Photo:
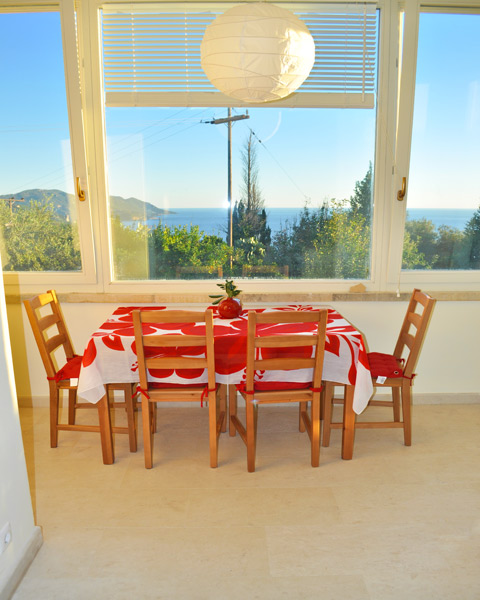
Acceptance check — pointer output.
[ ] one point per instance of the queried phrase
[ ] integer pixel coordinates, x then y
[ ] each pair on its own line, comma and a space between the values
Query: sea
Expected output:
213, 221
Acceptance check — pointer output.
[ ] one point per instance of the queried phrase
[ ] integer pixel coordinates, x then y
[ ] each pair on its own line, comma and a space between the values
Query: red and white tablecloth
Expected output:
110, 355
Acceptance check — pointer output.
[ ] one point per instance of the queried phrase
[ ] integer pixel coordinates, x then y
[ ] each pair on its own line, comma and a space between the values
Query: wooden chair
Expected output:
396, 371
159, 392
260, 340
51, 334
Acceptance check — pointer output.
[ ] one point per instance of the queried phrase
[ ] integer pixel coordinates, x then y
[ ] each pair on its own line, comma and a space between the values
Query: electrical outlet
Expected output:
5, 537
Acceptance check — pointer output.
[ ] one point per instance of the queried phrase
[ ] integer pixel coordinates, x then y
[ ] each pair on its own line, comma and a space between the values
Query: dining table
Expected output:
110, 357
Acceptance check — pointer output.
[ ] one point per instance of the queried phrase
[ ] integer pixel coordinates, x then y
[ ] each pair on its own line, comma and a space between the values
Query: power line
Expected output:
155, 124
159, 140
57, 174
307, 198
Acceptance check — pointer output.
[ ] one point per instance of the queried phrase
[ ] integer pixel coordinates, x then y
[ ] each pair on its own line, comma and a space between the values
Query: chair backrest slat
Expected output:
51, 344
176, 362
264, 337
408, 340
172, 316
280, 364
418, 321
415, 318
182, 318
48, 321
294, 316
168, 341
49, 330
286, 341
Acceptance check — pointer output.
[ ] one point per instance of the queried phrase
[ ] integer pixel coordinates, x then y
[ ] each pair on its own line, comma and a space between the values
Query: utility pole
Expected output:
229, 120
11, 201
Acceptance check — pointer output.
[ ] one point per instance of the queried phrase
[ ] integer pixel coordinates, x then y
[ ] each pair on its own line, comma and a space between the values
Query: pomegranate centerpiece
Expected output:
229, 306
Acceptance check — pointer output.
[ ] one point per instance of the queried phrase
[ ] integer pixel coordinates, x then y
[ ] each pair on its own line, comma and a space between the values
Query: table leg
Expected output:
348, 433
105, 431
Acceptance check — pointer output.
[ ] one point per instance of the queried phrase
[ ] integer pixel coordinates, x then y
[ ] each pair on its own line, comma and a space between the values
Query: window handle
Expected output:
401, 193
80, 192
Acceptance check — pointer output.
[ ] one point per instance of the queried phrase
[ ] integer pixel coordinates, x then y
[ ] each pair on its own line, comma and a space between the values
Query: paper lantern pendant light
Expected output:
257, 52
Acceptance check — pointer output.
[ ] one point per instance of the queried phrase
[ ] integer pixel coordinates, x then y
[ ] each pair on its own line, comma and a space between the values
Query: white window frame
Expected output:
468, 280
394, 113
87, 275
172, 286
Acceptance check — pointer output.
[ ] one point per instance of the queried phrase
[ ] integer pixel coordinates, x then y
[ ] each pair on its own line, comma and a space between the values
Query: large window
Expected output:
301, 187
38, 213
442, 230
204, 192
112, 97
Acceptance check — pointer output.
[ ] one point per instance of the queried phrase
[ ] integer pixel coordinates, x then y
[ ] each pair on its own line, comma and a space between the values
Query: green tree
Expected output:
35, 238
412, 258
451, 248
362, 199
295, 242
342, 251
331, 241
249, 252
249, 215
423, 233
472, 240
176, 247
130, 251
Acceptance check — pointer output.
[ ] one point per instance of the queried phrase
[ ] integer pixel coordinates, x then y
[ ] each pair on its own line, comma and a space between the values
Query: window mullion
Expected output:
407, 71
77, 135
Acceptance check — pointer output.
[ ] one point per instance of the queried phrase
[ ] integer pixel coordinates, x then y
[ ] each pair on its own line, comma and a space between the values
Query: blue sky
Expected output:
170, 158
445, 159
295, 156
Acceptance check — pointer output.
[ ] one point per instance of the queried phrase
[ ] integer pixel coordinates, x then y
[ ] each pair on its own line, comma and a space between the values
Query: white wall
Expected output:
450, 359
449, 363
15, 502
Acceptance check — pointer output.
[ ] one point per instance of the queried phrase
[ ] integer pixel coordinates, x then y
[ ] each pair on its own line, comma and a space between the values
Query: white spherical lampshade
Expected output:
257, 52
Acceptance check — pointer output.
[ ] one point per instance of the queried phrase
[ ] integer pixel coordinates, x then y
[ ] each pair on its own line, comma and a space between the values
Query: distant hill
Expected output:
126, 209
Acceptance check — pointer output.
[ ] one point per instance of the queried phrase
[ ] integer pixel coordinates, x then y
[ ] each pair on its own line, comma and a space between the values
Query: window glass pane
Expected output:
301, 188
443, 214
38, 221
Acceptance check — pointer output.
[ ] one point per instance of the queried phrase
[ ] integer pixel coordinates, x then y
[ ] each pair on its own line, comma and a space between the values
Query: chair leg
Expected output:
212, 428
72, 398
147, 433
302, 407
407, 414
396, 404
54, 402
153, 416
232, 409
251, 428
315, 424
327, 412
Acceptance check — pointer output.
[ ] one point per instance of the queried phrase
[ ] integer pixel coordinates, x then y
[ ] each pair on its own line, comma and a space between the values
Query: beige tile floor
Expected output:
393, 523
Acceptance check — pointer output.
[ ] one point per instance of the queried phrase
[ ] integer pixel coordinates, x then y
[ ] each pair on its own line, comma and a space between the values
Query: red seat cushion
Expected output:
384, 365
71, 370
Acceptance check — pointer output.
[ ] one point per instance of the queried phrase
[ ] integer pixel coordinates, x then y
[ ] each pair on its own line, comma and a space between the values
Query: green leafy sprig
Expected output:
230, 291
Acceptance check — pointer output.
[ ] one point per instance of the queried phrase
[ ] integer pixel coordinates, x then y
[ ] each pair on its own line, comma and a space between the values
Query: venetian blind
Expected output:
152, 57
